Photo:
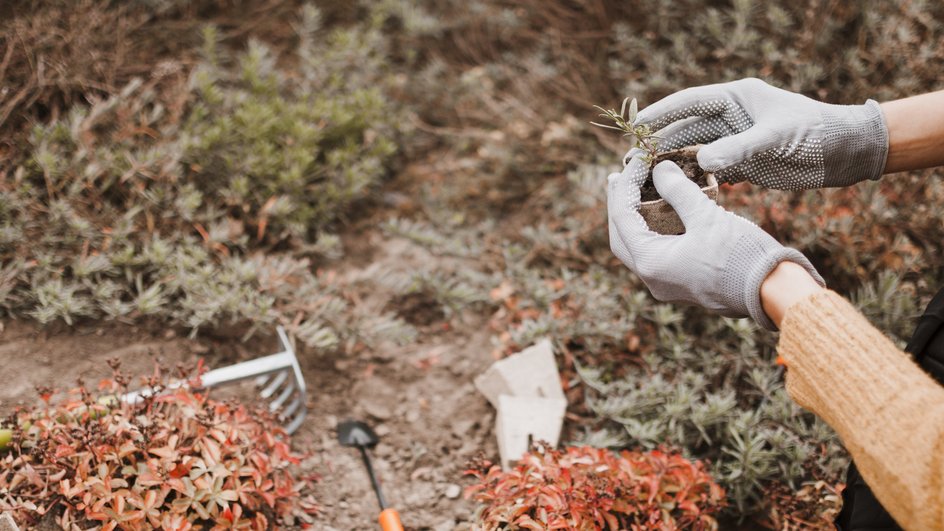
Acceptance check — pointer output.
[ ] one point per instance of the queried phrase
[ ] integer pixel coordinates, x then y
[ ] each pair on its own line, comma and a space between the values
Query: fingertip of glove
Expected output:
710, 159
666, 170
666, 164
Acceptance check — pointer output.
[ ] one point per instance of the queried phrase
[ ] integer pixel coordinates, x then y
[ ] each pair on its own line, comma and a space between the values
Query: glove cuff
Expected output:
856, 143
759, 273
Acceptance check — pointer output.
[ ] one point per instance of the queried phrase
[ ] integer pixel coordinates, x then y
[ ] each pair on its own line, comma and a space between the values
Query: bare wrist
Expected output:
915, 132
786, 285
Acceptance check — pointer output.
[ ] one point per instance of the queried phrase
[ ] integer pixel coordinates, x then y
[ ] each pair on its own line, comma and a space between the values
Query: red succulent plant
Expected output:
584, 489
180, 461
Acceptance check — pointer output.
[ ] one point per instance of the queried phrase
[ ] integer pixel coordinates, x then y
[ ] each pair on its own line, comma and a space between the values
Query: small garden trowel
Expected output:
354, 433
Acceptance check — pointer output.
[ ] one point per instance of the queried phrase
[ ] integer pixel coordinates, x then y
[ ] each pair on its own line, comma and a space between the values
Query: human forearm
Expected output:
915, 132
887, 411
889, 414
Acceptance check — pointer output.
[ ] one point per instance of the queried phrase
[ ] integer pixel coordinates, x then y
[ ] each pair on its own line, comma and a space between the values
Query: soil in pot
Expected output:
687, 161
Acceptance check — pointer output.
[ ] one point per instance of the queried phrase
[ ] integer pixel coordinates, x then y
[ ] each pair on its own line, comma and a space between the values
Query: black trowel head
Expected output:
356, 433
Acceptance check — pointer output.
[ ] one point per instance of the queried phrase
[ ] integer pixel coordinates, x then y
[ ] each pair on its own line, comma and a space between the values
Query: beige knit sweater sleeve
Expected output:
888, 412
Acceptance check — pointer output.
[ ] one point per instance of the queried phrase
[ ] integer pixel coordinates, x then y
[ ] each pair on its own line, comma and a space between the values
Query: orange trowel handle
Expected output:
390, 520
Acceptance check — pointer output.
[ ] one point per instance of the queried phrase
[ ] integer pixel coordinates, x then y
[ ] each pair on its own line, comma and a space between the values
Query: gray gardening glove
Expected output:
771, 137
720, 261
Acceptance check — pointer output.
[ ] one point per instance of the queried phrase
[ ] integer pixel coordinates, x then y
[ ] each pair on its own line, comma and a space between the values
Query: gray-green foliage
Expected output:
155, 204
719, 397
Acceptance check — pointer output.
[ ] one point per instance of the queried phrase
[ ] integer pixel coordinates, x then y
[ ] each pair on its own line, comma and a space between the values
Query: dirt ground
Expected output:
420, 399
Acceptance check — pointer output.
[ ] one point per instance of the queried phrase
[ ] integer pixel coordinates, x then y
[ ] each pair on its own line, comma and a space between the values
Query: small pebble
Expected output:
453, 491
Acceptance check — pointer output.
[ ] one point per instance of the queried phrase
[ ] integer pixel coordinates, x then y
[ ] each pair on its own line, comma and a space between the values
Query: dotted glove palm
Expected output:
772, 137
718, 263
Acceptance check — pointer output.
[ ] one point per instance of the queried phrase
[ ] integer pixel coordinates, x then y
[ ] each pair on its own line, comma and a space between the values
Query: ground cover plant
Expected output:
161, 199
641, 136
179, 201
585, 488
178, 460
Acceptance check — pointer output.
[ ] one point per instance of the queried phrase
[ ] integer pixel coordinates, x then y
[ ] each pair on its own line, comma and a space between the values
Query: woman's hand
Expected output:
719, 263
772, 137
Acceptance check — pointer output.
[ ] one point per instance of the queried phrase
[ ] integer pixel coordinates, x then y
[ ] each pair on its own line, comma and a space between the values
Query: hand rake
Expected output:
277, 376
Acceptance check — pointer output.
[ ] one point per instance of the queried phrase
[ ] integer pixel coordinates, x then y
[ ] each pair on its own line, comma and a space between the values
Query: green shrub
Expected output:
290, 153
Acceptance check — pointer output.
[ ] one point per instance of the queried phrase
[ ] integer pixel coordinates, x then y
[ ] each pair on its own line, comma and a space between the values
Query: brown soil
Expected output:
418, 309
689, 165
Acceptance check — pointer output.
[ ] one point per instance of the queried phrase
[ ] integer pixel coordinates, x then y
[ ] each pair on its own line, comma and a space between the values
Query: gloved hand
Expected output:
772, 137
720, 261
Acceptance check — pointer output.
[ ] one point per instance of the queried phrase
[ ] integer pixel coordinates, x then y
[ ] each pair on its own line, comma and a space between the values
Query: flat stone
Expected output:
522, 420
531, 372
378, 410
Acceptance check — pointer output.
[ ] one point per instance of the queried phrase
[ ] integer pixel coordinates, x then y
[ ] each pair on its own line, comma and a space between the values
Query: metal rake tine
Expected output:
290, 409
274, 385
296, 422
295, 411
287, 392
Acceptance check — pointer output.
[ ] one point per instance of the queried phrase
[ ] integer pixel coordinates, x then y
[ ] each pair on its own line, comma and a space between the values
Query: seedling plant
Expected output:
624, 122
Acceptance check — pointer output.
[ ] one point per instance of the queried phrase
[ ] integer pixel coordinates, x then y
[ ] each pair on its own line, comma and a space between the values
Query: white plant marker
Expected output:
525, 388
522, 420
531, 372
